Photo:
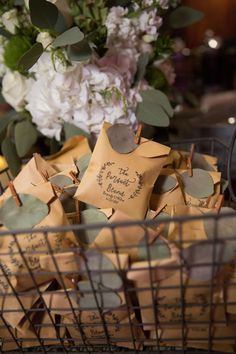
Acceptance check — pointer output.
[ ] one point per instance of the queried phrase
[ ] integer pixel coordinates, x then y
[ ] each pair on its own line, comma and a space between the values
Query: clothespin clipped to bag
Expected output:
219, 203
138, 134
74, 177
189, 160
14, 194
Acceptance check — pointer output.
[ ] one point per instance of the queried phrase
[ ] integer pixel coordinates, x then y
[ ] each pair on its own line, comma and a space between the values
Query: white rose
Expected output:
10, 20
45, 39
14, 89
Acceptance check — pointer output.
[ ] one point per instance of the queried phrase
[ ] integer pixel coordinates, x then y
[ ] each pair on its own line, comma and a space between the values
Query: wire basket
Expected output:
79, 300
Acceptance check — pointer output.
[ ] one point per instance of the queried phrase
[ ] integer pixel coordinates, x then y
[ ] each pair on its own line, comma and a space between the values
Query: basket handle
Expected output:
229, 164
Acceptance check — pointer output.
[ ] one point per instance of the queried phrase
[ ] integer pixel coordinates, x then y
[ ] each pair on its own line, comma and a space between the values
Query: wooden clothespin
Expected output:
57, 189
219, 203
74, 177
189, 160
77, 210
138, 134
14, 194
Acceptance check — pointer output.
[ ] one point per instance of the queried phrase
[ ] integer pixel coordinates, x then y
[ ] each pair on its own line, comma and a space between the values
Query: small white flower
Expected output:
15, 88
10, 20
45, 39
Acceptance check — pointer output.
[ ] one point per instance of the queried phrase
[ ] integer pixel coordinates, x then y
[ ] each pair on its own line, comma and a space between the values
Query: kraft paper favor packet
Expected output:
169, 293
91, 319
36, 241
123, 239
122, 181
73, 149
167, 190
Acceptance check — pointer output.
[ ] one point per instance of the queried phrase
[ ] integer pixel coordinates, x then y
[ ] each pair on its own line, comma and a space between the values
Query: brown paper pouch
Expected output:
172, 195
37, 241
122, 181
123, 239
179, 160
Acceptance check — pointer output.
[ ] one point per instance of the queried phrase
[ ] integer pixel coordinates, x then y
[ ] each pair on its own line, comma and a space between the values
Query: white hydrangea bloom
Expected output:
10, 20
85, 95
15, 88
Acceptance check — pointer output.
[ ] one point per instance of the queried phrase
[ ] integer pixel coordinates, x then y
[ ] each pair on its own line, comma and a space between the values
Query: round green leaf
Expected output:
43, 14
61, 181
157, 250
184, 16
82, 164
101, 270
10, 154
155, 108
29, 58
71, 130
121, 138
199, 161
31, 213
223, 227
105, 298
199, 259
88, 217
200, 185
81, 51
164, 184
71, 36
25, 137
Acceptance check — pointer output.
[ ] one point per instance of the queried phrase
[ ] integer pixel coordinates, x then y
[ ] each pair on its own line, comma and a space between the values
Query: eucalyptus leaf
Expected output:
184, 16
224, 185
222, 227
43, 14
61, 181
199, 161
200, 185
154, 109
121, 138
157, 250
105, 298
29, 58
164, 184
29, 214
26, 136
10, 154
141, 69
101, 270
81, 51
89, 217
71, 36
82, 164
6, 119
71, 130
61, 25
68, 203
199, 259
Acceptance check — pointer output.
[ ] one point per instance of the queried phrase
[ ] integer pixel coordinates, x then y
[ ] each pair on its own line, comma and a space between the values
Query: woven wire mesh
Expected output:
45, 312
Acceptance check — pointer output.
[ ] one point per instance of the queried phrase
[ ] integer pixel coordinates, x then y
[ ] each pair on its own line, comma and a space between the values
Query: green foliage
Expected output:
10, 154
25, 137
29, 58
15, 48
156, 78
71, 130
184, 16
43, 14
69, 37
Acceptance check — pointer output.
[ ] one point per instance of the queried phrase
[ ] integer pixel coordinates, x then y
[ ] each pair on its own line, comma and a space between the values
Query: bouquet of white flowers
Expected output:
69, 65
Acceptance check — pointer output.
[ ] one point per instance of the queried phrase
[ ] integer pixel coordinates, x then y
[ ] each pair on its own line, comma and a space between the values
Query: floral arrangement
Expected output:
69, 65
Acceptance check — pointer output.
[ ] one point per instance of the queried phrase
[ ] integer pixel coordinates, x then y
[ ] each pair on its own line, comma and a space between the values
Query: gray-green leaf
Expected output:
157, 250
142, 64
184, 16
43, 14
61, 181
26, 136
80, 51
155, 108
101, 270
121, 138
105, 298
6, 119
9, 152
82, 164
31, 213
199, 161
89, 217
29, 58
71, 130
200, 185
199, 259
164, 184
71, 36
